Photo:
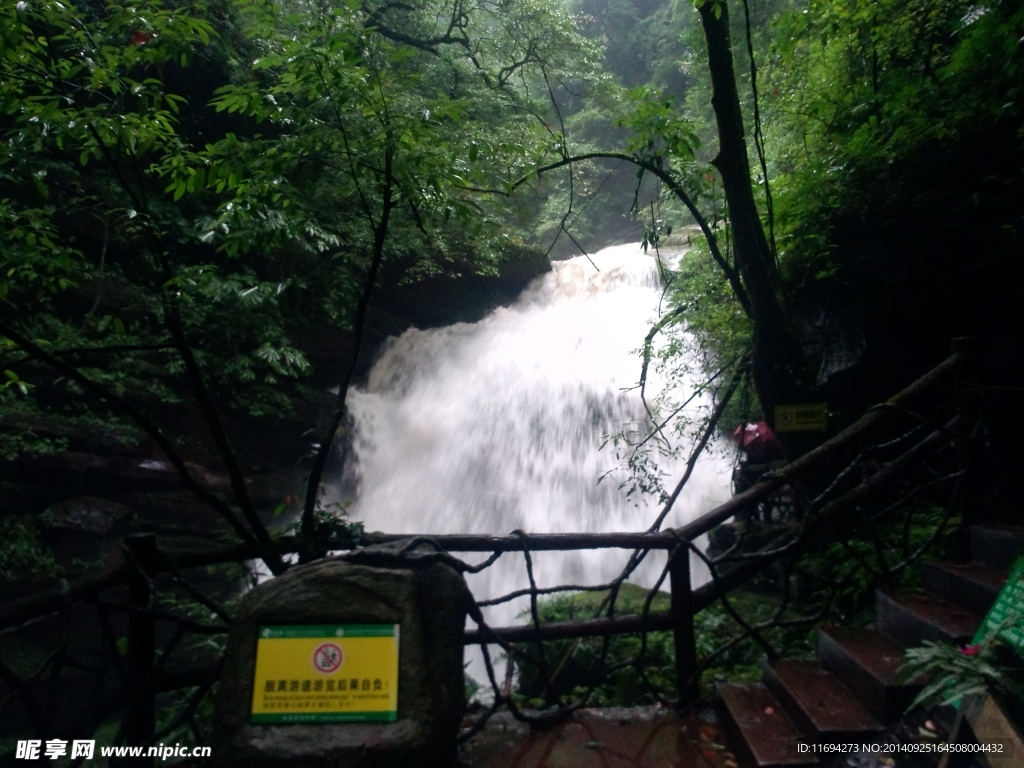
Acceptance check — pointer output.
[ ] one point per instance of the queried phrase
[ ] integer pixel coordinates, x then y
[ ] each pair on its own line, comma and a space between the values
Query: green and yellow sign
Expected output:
810, 417
326, 673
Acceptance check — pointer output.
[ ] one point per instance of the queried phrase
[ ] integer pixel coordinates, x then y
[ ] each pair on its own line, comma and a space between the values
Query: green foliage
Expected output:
883, 107
181, 181
87, 118
365, 124
471, 686
642, 41
572, 663
659, 134
14, 445
715, 626
838, 582
332, 528
708, 310
990, 666
74, 88
198, 648
23, 556
695, 348
877, 554
25, 432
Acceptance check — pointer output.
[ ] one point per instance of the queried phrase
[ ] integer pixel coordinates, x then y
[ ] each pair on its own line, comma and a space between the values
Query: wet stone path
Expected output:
638, 737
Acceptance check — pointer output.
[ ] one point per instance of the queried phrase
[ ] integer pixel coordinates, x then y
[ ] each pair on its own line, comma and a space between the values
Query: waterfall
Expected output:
497, 425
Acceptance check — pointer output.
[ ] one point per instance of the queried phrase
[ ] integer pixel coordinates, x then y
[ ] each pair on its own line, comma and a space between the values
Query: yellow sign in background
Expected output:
811, 417
326, 673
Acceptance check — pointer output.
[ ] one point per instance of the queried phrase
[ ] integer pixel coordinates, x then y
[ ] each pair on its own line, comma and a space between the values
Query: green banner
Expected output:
326, 717
1010, 602
328, 630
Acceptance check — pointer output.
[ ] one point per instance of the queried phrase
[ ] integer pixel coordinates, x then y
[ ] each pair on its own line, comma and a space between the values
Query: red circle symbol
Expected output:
327, 658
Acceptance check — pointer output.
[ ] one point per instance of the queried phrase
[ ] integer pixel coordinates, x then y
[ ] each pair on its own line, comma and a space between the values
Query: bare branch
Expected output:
150, 429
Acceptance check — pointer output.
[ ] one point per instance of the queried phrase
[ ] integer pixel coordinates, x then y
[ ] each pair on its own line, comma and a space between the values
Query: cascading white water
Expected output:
497, 426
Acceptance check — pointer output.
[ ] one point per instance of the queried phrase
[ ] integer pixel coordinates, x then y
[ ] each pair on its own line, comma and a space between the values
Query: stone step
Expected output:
972, 586
820, 706
997, 545
757, 723
912, 617
866, 661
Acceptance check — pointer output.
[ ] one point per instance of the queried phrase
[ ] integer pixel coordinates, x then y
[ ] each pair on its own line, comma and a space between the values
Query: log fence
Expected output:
870, 462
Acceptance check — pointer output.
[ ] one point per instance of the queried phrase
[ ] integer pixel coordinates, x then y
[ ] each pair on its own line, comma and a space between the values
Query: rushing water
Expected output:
498, 425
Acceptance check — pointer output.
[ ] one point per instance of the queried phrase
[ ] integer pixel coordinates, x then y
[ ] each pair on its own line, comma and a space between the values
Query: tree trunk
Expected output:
779, 369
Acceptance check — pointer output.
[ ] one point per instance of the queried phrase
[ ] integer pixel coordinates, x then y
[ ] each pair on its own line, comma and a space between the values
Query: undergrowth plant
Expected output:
990, 666
573, 665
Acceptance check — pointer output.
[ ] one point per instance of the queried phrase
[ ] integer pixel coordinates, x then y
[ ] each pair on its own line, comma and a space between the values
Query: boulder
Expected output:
418, 591
87, 514
82, 531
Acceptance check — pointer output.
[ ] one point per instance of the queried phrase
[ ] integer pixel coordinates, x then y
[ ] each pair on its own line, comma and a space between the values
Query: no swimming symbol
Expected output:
327, 658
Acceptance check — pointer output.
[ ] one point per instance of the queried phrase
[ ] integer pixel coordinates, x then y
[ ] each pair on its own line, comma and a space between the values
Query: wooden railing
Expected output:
144, 560
686, 602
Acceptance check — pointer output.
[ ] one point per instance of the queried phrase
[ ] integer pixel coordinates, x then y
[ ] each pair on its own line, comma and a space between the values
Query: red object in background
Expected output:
140, 38
757, 441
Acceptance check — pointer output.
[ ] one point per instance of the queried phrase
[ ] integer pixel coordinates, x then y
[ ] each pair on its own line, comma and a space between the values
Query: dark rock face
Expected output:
87, 514
426, 597
459, 295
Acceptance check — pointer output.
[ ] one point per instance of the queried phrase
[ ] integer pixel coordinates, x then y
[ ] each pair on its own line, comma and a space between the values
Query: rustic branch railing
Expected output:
826, 516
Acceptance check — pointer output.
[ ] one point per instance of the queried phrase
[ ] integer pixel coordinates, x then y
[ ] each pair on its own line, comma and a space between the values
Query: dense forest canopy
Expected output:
191, 192
213, 214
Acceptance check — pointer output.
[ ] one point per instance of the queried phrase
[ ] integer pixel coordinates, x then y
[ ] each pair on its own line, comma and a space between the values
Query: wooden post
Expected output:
981, 720
687, 682
140, 720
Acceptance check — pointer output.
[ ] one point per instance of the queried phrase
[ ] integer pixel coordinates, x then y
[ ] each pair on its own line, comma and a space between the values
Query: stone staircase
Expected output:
850, 692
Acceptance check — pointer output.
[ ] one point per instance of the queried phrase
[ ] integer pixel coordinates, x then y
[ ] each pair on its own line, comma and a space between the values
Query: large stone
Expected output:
87, 514
83, 531
418, 591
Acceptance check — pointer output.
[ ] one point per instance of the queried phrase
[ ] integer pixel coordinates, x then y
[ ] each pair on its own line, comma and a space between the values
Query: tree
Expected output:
779, 368
78, 90
664, 145
345, 146
395, 122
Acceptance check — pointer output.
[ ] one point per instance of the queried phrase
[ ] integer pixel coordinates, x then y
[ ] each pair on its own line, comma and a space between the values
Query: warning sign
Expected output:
327, 658
801, 418
326, 674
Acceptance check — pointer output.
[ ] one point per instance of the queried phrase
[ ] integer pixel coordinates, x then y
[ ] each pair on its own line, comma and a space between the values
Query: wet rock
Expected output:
84, 531
159, 468
77, 473
426, 597
87, 514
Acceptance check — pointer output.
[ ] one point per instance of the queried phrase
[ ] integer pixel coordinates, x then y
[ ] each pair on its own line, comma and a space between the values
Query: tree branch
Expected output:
709, 430
37, 352
380, 233
172, 319
731, 274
